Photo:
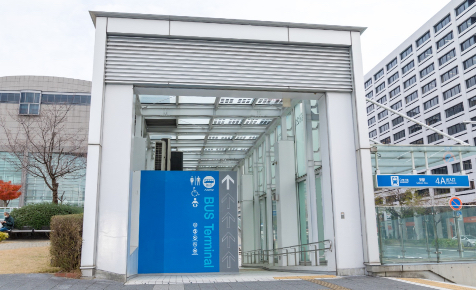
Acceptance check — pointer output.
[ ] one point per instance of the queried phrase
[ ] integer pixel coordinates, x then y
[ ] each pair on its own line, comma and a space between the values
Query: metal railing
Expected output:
309, 254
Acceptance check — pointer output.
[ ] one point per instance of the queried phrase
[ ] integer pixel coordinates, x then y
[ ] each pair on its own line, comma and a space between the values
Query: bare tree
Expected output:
44, 146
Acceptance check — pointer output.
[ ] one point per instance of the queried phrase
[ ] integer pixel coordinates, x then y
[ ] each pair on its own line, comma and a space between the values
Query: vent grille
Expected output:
180, 62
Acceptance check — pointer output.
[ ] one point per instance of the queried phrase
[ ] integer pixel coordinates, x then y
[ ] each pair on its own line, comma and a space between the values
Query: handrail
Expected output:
258, 256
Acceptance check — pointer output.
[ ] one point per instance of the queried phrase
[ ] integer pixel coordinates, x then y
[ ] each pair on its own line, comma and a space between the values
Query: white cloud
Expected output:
56, 37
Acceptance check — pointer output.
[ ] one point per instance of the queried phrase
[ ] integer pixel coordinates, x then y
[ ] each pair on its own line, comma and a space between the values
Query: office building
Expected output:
430, 77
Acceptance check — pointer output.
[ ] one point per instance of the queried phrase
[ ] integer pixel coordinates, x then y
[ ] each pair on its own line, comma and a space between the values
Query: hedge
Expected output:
39, 215
65, 241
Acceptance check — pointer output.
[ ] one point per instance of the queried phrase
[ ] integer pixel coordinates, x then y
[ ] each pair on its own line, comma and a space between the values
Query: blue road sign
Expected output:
422, 181
456, 203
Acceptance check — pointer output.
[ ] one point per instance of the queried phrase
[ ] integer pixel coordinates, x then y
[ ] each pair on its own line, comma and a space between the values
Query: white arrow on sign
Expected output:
227, 238
228, 257
228, 179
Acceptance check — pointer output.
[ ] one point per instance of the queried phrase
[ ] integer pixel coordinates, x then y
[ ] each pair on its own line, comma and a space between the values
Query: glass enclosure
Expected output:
426, 234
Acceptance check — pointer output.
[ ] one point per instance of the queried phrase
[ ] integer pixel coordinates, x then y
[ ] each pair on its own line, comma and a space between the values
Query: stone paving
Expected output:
48, 281
14, 244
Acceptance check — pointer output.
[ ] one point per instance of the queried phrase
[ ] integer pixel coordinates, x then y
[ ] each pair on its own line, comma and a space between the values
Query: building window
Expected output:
386, 140
417, 142
384, 128
425, 54
392, 64
393, 78
372, 133
29, 104
413, 112
369, 95
411, 97
447, 57
433, 119
439, 191
472, 102
424, 72
431, 103
371, 121
394, 92
469, 62
414, 128
463, 26
378, 75
473, 125
423, 39
451, 92
13, 98
454, 110
382, 114
370, 108
466, 166
399, 135
428, 87
442, 42
406, 52
382, 100
460, 9
442, 23
397, 105
408, 67
409, 82
468, 43
380, 88
440, 170
455, 129
434, 137
368, 83
397, 121
66, 99
449, 74
470, 82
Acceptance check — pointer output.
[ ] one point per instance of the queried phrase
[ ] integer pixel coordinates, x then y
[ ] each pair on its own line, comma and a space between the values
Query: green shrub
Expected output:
66, 240
446, 243
3, 236
38, 215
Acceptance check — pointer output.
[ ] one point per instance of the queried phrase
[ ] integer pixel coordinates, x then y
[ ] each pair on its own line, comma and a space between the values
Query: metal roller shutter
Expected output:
185, 62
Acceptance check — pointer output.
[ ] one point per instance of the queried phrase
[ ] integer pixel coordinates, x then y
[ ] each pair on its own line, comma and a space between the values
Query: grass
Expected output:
26, 260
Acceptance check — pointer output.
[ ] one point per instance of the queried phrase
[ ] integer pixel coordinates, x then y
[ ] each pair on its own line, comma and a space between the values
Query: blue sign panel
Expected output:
187, 222
422, 181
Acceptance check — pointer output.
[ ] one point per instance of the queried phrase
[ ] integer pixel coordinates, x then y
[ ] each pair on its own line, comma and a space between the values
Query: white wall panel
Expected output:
325, 37
138, 26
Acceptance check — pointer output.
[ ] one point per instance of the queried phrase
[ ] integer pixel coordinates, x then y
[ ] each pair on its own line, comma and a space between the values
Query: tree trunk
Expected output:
55, 191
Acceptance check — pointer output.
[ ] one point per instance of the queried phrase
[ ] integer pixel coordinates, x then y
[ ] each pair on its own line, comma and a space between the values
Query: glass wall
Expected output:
303, 218
8, 172
426, 234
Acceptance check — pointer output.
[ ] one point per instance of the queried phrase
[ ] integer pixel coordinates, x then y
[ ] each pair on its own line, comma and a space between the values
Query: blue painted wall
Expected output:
168, 219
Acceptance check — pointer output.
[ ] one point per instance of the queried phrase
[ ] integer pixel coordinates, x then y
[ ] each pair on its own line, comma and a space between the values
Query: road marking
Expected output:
326, 284
434, 284
305, 277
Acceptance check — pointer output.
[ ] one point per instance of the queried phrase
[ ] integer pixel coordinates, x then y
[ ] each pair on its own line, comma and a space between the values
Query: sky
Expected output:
56, 37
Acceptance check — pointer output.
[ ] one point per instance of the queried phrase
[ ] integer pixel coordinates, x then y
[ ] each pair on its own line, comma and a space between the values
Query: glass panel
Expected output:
8, 172
23, 109
34, 109
300, 140
303, 222
275, 230
320, 215
263, 231
30, 97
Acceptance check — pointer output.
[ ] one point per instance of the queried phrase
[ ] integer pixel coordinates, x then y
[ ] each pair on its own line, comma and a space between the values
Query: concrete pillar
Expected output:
363, 160
269, 198
286, 206
93, 169
341, 182
115, 182
247, 214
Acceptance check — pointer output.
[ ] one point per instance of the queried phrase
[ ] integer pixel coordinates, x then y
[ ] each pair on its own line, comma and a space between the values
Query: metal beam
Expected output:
212, 143
217, 130
220, 112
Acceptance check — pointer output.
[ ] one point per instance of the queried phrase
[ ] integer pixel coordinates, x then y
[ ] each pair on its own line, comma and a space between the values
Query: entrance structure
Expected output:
280, 103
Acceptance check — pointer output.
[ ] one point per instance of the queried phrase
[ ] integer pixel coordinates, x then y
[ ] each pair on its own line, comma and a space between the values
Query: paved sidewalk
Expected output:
47, 282
8, 245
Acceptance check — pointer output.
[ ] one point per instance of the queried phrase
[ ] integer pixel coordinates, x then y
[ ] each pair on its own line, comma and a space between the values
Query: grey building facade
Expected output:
28, 95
